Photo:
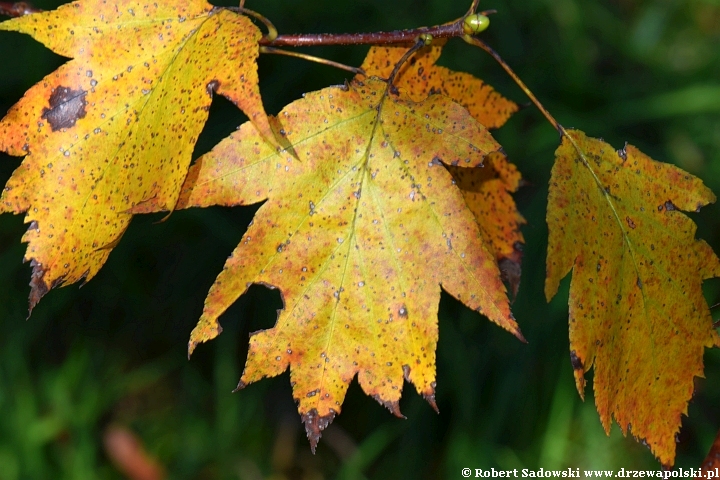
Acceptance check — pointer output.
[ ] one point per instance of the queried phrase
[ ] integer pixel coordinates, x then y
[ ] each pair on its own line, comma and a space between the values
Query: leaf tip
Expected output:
204, 330
38, 287
515, 329
241, 385
551, 282
315, 424
392, 405
518, 334
578, 373
429, 397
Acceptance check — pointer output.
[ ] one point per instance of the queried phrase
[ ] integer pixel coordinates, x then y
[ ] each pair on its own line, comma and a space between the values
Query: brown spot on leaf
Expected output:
622, 153
575, 361
66, 107
38, 287
212, 86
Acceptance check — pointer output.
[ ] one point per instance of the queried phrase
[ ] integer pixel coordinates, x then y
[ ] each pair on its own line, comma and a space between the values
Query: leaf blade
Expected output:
487, 191
116, 125
614, 221
359, 235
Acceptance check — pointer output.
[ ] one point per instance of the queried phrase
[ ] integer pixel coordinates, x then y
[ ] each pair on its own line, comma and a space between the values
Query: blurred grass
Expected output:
646, 72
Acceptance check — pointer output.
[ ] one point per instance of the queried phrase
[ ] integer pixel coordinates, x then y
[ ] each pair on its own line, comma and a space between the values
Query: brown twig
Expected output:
17, 9
453, 29
448, 30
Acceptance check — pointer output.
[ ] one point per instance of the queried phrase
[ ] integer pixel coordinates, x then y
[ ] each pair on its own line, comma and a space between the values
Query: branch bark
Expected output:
17, 9
454, 29
448, 30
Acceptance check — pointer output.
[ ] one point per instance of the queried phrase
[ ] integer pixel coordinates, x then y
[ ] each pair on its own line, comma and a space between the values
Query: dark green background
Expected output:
114, 352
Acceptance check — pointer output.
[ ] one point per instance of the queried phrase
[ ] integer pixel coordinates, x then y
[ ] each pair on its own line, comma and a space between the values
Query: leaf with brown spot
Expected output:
637, 311
361, 228
117, 124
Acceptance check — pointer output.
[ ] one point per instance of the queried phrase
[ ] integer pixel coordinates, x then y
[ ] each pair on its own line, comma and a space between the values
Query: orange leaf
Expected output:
117, 124
487, 192
420, 77
361, 228
637, 311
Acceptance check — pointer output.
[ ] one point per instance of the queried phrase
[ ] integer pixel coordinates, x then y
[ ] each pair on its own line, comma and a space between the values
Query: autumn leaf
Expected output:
487, 190
361, 228
637, 311
420, 77
116, 125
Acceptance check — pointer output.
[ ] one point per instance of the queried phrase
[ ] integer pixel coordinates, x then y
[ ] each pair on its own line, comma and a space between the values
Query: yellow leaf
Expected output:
116, 125
637, 311
487, 191
361, 228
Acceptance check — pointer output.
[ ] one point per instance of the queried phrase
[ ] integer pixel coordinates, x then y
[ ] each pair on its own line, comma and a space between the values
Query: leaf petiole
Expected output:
272, 31
421, 42
312, 58
479, 43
